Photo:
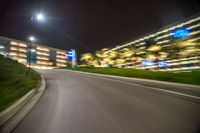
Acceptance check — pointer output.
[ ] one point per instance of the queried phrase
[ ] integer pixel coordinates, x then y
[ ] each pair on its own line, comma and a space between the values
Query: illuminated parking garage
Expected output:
173, 48
39, 56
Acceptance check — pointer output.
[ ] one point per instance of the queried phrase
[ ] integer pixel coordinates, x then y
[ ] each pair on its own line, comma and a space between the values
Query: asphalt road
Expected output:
81, 103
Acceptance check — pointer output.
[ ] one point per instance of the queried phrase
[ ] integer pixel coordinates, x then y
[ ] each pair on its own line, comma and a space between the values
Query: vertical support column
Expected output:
73, 58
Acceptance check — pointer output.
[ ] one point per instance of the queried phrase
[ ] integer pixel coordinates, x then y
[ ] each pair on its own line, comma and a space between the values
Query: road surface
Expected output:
81, 103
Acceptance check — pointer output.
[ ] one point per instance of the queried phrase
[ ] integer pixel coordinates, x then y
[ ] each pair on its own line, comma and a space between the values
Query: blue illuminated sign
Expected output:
151, 63
180, 33
70, 54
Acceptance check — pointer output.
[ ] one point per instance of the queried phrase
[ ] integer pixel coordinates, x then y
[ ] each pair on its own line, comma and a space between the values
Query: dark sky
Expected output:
90, 25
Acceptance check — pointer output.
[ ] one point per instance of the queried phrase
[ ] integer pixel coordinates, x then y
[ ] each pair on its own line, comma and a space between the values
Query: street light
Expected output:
40, 17
31, 39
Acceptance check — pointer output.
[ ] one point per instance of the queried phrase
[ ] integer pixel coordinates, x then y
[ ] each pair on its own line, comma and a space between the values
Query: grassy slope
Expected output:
182, 77
15, 81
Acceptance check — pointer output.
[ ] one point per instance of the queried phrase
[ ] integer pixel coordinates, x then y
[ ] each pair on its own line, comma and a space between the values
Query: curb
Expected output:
132, 78
13, 115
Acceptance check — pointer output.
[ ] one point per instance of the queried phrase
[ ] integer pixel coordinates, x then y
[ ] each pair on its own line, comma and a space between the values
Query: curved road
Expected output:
82, 103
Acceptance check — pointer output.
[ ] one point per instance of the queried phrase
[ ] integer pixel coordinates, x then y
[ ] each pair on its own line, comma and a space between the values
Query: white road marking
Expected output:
153, 88
124, 82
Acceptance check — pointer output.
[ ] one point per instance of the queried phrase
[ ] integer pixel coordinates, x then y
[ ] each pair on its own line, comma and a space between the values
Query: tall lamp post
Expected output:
37, 18
31, 39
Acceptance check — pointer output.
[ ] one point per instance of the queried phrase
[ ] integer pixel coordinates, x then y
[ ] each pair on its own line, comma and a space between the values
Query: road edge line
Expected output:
132, 78
152, 88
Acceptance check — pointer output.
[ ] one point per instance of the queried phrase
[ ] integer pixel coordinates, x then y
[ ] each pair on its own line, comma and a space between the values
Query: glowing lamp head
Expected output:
40, 17
32, 39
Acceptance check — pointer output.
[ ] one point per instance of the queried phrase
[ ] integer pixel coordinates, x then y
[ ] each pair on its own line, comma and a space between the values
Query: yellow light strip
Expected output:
14, 43
164, 36
42, 49
42, 58
18, 44
22, 50
164, 41
158, 33
13, 48
194, 32
23, 45
61, 53
62, 57
194, 39
59, 60
42, 53
194, 26
22, 55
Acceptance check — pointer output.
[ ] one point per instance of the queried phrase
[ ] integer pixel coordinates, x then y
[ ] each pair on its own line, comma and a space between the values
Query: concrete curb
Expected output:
13, 115
10, 111
131, 78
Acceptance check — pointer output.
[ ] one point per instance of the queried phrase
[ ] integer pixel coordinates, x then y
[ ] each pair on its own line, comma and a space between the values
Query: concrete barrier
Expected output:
11, 117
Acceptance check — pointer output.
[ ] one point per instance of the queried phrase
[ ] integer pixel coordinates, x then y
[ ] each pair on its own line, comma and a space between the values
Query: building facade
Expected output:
35, 55
171, 48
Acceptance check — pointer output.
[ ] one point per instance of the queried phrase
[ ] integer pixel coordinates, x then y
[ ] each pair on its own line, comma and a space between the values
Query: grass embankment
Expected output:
192, 77
15, 81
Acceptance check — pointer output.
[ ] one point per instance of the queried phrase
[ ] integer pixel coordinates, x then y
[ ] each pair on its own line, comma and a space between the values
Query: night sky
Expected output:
90, 25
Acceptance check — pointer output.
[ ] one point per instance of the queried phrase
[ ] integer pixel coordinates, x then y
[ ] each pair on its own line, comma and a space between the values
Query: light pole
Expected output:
40, 17
36, 18
31, 39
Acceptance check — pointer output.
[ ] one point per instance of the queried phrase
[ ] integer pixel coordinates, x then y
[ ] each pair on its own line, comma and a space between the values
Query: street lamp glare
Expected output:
31, 38
40, 17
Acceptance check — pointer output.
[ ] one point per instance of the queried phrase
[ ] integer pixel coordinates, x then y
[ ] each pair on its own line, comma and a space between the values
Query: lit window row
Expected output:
13, 48
194, 33
42, 53
22, 55
59, 60
42, 49
164, 36
158, 33
18, 49
42, 58
184, 62
190, 58
18, 54
164, 41
14, 43
60, 56
194, 26
18, 44
61, 53
194, 39
140, 44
